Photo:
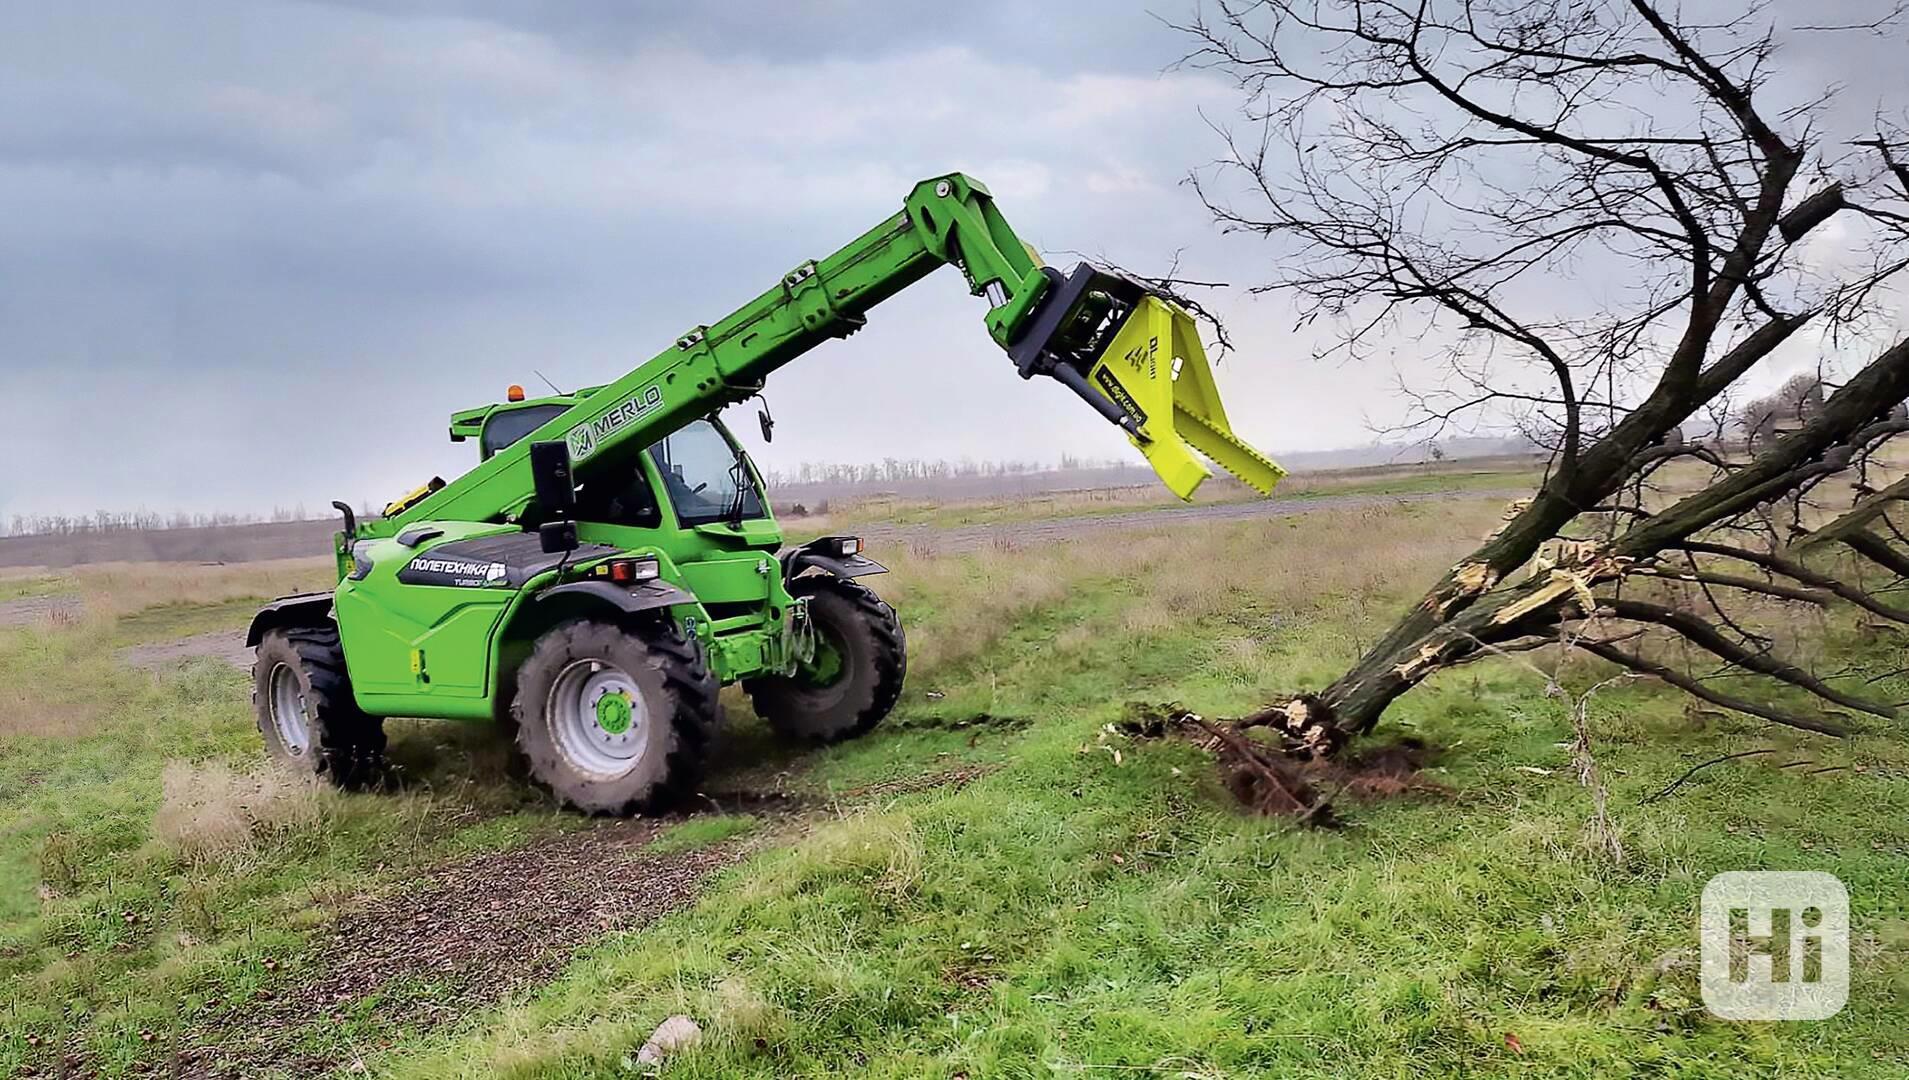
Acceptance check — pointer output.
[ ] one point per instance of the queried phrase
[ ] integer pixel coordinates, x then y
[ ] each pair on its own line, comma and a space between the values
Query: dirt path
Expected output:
229, 646
31, 609
471, 931
465, 936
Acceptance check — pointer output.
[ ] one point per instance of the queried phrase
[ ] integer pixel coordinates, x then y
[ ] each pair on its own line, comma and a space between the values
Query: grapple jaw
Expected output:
1136, 357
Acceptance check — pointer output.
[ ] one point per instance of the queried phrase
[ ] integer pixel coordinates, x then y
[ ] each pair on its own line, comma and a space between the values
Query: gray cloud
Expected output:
253, 253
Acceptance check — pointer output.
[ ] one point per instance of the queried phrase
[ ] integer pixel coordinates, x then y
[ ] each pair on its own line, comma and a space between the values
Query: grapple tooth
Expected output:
1156, 371
1254, 469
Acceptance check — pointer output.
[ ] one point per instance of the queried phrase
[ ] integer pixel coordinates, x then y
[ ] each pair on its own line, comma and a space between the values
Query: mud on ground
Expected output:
466, 935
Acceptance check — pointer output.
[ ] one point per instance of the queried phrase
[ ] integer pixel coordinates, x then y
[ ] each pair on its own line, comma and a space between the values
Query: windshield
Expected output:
705, 475
507, 426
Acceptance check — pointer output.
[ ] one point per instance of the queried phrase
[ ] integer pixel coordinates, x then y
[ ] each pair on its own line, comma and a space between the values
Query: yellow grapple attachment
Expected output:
1155, 370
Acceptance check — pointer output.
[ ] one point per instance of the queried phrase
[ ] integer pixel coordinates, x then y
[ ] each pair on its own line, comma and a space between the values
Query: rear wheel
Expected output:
861, 658
614, 720
301, 695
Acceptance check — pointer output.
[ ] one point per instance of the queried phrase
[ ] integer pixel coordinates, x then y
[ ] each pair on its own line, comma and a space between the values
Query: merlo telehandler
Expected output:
611, 561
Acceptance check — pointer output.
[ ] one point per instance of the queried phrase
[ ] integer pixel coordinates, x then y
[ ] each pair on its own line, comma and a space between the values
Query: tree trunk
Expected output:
1471, 609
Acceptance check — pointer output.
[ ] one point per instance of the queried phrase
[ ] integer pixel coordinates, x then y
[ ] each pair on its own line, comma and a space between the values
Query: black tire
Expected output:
322, 732
874, 652
666, 678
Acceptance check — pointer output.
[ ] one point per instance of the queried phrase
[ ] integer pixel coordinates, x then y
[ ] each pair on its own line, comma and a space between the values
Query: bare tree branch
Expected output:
1595, 225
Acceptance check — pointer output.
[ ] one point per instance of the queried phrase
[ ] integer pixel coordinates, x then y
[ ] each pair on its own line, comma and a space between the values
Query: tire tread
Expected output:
686, 678
771, 696
349, 744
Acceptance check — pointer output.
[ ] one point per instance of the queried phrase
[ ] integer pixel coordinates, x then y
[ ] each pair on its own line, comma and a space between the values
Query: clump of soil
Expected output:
1380, 770
1280, 780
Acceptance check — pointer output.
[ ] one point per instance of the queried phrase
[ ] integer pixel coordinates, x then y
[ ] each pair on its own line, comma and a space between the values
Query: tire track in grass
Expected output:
474, 930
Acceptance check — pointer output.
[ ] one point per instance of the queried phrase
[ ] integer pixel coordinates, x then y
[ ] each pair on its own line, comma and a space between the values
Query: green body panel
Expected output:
420, 650
442, 651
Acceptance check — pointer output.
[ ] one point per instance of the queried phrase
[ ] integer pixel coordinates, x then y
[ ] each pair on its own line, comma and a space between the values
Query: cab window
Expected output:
618, 496
705, 475
507, 426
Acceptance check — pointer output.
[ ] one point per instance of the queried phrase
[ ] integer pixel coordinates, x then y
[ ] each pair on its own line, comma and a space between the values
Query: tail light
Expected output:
630, 571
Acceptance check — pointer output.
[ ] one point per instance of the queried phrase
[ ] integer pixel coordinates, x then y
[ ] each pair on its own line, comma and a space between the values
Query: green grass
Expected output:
1069, 913
702, 832
21, 587
108, 930
1088, 905
1454, 480
167, 622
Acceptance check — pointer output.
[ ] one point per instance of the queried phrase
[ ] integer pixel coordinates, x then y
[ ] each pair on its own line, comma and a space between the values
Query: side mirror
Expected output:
555, 536
556, 494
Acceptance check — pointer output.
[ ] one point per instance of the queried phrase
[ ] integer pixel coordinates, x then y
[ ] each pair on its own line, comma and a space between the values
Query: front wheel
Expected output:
301, 694
614, 720
861, 657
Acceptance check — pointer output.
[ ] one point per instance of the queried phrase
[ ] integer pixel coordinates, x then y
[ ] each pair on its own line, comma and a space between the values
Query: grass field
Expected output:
1454, 476
992, 884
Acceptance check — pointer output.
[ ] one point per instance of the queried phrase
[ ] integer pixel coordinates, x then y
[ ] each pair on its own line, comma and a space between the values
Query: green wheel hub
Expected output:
614, 714
827, 664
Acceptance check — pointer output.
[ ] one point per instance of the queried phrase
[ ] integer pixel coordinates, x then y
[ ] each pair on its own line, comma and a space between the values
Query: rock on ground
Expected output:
671, 1035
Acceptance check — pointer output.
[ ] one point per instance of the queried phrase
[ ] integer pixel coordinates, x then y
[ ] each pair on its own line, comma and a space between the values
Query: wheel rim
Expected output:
290, 717
598, 718
829, 662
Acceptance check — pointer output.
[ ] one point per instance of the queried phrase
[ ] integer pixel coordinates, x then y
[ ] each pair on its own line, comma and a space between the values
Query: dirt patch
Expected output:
32, 609
225, 646
1272, 780
474, 930
909, 785
1381, 770
471, 932
1277, 780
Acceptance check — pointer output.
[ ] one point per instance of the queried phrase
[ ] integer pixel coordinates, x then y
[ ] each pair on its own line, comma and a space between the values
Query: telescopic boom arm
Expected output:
1132, 354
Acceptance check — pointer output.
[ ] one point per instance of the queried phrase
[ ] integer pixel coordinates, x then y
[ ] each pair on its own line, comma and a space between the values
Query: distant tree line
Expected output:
113, 521
886, 471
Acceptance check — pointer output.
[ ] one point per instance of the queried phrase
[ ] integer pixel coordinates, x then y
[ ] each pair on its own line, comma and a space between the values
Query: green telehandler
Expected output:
611, 561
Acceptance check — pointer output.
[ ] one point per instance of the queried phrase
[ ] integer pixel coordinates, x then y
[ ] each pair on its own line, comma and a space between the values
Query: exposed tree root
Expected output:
1289, 778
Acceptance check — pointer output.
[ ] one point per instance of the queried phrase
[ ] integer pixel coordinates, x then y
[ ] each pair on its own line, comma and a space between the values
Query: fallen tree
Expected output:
1600, 222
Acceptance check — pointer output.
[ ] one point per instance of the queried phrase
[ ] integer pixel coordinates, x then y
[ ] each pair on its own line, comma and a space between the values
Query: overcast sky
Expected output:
253, 253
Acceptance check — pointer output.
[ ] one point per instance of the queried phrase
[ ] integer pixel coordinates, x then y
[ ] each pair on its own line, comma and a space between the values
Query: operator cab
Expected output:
707, 477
